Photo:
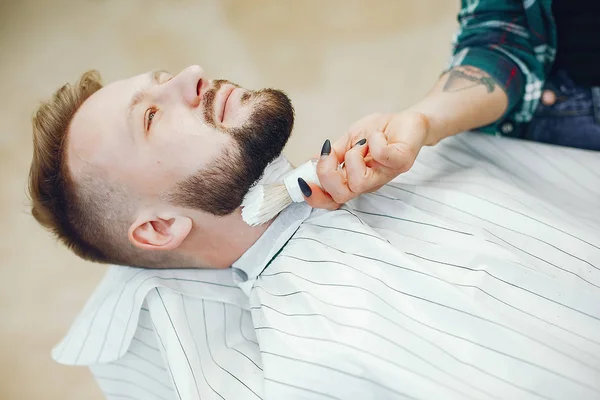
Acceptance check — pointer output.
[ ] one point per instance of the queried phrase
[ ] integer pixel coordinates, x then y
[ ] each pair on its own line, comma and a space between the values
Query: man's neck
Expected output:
223, 240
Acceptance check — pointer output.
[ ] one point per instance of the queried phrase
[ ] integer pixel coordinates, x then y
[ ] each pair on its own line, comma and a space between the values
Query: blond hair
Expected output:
90, 216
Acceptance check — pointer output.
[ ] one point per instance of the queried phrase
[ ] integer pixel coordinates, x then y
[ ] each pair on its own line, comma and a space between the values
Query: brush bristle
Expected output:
263, 202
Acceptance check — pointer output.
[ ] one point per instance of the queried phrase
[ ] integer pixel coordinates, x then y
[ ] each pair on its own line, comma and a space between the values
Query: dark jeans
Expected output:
573, 120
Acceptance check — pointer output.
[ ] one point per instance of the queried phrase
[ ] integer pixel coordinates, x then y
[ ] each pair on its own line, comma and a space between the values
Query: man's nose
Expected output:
188, 84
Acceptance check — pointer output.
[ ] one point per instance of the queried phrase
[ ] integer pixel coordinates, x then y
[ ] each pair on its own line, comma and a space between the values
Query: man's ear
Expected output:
156, 233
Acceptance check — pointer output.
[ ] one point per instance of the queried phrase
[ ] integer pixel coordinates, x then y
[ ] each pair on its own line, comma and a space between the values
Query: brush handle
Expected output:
308, 172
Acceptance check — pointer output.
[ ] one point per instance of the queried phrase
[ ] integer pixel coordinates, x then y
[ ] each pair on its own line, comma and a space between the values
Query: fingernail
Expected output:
326, 149
361, 142
304, 188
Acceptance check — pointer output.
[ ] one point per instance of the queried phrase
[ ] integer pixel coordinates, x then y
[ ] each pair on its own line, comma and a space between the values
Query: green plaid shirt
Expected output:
515, 42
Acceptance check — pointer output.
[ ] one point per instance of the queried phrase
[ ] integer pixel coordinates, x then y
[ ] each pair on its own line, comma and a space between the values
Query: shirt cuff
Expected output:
500, 67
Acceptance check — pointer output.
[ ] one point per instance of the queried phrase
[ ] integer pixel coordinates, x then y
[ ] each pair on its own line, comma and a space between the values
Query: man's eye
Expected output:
150, 113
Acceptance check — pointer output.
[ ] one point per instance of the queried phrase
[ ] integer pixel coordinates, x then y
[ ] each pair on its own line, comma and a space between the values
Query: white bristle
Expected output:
264, 202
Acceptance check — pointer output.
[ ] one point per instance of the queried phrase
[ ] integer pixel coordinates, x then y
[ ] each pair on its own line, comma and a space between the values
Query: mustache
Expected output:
219, 188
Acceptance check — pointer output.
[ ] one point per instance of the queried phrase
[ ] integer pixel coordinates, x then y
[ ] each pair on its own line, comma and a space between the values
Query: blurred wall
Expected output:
338, 60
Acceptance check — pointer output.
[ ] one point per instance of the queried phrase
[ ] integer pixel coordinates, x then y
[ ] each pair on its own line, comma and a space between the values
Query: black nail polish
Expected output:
326, 149
361, 142
304, 188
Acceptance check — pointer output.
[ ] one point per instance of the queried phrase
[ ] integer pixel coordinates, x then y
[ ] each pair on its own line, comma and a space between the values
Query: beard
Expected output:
219, 188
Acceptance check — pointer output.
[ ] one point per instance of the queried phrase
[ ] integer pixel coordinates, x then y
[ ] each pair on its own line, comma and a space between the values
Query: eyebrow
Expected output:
142, 93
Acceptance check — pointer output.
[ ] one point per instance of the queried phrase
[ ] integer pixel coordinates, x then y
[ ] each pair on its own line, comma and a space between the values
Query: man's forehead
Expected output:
116, 93
121, 88
124, 87
100, 124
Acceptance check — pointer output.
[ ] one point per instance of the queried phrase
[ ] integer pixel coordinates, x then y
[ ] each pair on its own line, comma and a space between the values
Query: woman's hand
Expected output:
374, 151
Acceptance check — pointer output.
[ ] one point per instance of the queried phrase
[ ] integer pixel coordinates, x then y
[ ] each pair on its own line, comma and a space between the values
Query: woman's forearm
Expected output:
463, 99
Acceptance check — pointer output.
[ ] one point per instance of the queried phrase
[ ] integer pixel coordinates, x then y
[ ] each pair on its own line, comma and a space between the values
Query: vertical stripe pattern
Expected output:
476, 275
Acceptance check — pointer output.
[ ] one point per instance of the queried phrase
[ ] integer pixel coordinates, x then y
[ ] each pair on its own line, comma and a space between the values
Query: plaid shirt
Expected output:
515, 42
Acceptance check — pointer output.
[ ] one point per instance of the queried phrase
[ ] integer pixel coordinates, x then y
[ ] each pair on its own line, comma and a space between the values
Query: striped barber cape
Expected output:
476, 275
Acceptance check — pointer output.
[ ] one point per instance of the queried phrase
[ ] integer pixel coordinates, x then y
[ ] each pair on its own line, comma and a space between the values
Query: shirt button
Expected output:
507, 128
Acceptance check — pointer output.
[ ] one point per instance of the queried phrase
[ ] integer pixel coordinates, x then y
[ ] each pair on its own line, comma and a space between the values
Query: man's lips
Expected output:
221, 103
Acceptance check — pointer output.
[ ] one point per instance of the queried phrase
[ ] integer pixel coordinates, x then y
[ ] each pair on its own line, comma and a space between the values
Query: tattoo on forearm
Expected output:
466, 77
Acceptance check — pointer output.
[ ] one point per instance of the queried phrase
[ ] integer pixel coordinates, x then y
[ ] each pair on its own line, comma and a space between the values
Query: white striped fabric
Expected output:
474, 276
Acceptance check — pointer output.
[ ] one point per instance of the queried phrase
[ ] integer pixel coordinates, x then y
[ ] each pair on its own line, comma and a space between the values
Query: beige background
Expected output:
338, 60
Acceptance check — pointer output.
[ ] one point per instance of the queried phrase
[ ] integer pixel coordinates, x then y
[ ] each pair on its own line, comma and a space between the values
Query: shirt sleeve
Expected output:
494, 36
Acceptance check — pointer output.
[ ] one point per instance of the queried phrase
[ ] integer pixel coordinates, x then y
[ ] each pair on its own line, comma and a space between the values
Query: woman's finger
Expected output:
332, 177
398, 156
342, 145
316, 197
359, 130
359, 175
405, 135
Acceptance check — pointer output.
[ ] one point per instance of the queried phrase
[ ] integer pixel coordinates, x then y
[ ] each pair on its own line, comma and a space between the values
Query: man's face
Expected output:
201, 143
